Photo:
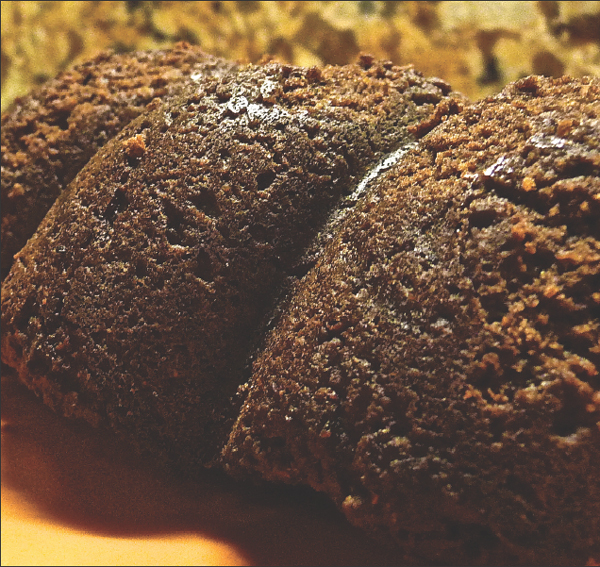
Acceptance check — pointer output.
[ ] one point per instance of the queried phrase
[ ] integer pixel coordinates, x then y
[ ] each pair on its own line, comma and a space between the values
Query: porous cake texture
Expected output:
345, 277
48, 136
436, 374
139, 300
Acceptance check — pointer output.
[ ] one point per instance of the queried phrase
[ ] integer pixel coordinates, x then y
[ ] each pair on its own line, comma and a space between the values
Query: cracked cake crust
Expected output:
422, 345
437, 372
138, 301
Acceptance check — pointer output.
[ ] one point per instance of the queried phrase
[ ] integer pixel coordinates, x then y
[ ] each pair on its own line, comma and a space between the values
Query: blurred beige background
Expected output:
477, 46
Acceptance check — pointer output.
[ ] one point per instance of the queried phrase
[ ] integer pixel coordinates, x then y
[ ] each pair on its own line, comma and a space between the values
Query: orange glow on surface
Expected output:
72, 495
30, 539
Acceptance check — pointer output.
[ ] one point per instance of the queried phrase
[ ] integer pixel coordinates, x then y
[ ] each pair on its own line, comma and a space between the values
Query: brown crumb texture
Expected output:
137, 301
48, 136
437, 372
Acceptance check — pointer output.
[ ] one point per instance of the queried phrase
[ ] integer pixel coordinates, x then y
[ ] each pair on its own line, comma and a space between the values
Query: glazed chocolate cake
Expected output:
50, 135
337, 277
139, 300
437, 372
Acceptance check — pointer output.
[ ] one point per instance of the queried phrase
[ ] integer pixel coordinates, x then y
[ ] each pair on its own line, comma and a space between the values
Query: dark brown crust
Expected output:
49, 136
437, 372
136, 302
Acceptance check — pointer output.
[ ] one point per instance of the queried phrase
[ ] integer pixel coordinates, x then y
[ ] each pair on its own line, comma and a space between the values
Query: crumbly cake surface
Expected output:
48, 136
436, 373
422, 345
137, 301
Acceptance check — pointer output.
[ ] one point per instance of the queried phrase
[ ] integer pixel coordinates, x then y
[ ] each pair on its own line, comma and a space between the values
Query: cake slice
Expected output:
436, 373
141, 298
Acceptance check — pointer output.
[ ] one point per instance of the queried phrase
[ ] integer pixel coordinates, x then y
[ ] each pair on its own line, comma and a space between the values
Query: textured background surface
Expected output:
477, 46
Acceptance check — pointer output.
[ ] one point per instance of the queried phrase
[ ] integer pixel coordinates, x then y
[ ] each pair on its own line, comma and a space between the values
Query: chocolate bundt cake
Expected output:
341, 277
436, 373
139, 300
50, 135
